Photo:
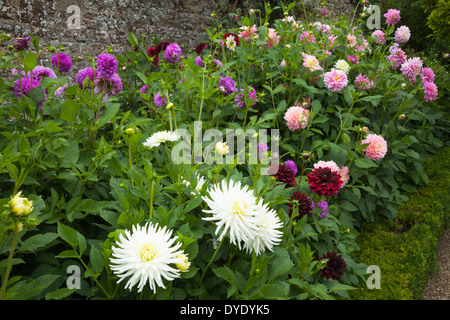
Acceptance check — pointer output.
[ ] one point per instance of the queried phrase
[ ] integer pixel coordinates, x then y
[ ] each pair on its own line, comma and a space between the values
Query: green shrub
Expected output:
405, 249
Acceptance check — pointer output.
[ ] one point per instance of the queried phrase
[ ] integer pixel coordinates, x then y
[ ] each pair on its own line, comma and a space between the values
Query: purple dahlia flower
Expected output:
62, 62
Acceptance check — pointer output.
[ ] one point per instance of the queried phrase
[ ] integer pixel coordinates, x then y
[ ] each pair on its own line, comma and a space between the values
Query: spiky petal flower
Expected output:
234, 210
268, 233
392, 16
160, 137
146, 255
335, 266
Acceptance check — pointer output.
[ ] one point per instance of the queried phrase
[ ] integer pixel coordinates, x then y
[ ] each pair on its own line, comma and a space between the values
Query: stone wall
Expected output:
108, 22
105, 22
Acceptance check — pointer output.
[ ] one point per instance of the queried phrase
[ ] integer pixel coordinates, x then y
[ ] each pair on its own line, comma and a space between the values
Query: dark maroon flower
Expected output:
303, 203
200, 47
284, 174
324, 182
21, 43
335, 266
153, 52
235, 36
162, 46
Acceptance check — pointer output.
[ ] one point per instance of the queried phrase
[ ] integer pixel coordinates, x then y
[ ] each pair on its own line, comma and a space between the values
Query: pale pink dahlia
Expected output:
311, 62
274, 38
335, 80
397, 56
377, 147
296, 118
392, 16
430, 90
343, 171
411, 68
402, 34
247, 32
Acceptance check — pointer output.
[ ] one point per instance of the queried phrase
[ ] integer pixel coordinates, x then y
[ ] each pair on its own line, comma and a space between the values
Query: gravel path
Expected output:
438, 285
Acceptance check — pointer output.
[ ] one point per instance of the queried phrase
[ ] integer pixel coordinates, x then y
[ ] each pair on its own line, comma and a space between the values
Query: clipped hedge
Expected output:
405, 248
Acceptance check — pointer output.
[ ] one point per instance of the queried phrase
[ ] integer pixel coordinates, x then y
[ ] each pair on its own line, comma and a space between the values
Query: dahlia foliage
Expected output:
238, 168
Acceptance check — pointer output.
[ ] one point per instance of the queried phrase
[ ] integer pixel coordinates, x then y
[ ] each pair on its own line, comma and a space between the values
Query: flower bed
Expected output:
117, 174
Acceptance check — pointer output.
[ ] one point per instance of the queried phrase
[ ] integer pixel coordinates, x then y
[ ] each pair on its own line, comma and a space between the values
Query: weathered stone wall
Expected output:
106, 22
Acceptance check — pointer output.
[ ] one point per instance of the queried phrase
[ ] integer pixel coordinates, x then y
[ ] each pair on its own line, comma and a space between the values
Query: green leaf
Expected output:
365, 163
34, 289
59, 294
228, 275
30, 61
37, 241
68, 234
281, 264
96, 260
68, 110
110, 112
68, 254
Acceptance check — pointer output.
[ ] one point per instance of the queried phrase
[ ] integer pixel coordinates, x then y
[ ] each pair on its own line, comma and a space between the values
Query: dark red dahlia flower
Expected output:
152, 51
304, 205
284, 174
324, 182
162, 46
235, 36
335, 266
200, 47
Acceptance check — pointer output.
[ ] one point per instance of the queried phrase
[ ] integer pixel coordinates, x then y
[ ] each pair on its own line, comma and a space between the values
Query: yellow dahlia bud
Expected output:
222, 148
130, 131
20, 206
17, 227
169, 106
183, 266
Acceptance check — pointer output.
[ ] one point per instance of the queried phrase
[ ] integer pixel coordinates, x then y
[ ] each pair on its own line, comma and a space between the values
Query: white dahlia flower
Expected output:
159, 137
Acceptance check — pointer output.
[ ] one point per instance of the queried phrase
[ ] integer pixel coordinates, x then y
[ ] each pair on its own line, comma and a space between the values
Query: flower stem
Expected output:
9, 267
212, 259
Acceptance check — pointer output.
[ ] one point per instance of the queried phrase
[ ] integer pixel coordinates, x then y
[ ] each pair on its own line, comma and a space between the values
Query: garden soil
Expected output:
438, 285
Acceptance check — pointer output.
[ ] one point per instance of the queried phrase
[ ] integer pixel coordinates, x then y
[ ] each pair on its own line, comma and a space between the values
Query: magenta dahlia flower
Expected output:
324, 181
39, 72
397, 56
106, 66
83, 74
199, 61
227, 85
335, 266
335, 80
23, 85
240, 99
289, 164
110, 87
172, 53
377, 147
392, 16
61, 62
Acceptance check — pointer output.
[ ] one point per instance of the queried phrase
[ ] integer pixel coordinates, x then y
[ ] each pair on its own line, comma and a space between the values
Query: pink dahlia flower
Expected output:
411, 68
392, 16
335, 80
274, 38
397, 56
379, 36
362, 82
23, 85
427, 75
377, 147
296, 118
247, 32
430, 90
311, 62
